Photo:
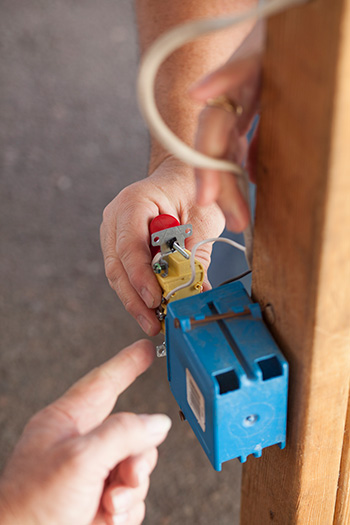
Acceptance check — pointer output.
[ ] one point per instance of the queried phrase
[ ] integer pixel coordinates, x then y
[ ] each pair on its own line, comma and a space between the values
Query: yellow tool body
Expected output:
179, 272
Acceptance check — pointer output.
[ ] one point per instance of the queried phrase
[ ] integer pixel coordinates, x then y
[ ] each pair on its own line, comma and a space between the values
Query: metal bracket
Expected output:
161, 350
172, 239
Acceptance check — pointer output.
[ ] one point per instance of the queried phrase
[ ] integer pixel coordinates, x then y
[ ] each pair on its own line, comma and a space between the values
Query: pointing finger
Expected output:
89, 401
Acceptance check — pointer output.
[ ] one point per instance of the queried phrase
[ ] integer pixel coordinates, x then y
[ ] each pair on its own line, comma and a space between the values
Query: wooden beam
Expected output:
301, 259
342, 128
342, 509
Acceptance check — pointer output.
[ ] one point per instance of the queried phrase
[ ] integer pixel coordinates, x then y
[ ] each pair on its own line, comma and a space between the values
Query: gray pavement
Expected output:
71, 138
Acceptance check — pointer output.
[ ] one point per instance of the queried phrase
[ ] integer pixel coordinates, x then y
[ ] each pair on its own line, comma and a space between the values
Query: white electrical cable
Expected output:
192, 260
165, 46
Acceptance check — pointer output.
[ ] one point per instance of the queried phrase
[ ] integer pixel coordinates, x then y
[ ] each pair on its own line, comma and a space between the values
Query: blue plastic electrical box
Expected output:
228, 377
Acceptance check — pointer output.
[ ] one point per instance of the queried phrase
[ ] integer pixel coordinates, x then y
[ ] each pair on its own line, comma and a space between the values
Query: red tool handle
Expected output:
159, 223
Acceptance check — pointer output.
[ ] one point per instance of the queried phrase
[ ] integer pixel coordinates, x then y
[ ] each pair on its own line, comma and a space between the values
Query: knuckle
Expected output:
135, 265
145, 488
153, 458
140, 513
130, 306
136, 277
127, 421
33, 422
124, 246
142, 490
103, 379
124, 202
125, 194
110, 268
113, 283
108, 213
105, 214
44, 416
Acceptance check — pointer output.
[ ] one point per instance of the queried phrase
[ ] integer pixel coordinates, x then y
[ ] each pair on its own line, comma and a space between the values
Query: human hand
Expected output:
125, 237
77, 465
222, 133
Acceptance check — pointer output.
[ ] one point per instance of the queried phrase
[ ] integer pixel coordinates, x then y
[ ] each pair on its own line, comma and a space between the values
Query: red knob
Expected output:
159, 223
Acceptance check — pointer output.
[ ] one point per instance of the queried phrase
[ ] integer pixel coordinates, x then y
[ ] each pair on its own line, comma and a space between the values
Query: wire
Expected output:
165, 46
193, 262
237, 278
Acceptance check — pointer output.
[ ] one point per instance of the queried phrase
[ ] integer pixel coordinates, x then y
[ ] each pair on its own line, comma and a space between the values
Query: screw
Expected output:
269, 314
182, 416
161, 350
157, 268
250, 420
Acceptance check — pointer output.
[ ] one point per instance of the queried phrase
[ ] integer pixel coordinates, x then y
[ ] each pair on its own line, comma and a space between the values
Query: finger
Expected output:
218, 136
133, 247
117, 500
213, 133
135, 516
237, 148
135, 470
133, 303
206, 286
123, 435
207, 222
233, 204
232, 76
119, 282
89, 401
125, 238
240, 82
252, 156
229, 76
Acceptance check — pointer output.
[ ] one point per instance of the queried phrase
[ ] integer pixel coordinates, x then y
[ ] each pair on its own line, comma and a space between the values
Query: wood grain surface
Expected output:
301, 261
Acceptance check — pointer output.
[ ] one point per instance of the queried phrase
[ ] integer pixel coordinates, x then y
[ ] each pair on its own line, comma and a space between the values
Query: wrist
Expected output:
175, 177
177, 182
168, 164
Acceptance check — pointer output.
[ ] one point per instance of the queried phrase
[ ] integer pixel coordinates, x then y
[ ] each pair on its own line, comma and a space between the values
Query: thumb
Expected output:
208, 222
203, 255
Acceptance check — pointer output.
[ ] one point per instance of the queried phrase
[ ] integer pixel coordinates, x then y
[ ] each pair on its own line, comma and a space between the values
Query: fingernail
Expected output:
122, 501
120, 518
157, 423
145, 324
147, 297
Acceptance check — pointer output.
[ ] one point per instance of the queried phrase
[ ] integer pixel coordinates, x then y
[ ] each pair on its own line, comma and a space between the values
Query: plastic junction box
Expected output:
228, 377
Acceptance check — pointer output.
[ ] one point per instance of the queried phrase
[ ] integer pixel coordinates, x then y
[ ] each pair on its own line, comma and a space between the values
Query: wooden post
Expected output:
342, 510
302, 263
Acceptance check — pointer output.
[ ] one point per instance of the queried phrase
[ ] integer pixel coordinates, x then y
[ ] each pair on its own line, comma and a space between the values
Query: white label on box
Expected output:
195, 399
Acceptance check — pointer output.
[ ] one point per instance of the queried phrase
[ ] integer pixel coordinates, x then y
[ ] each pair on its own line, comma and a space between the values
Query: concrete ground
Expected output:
71, 139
